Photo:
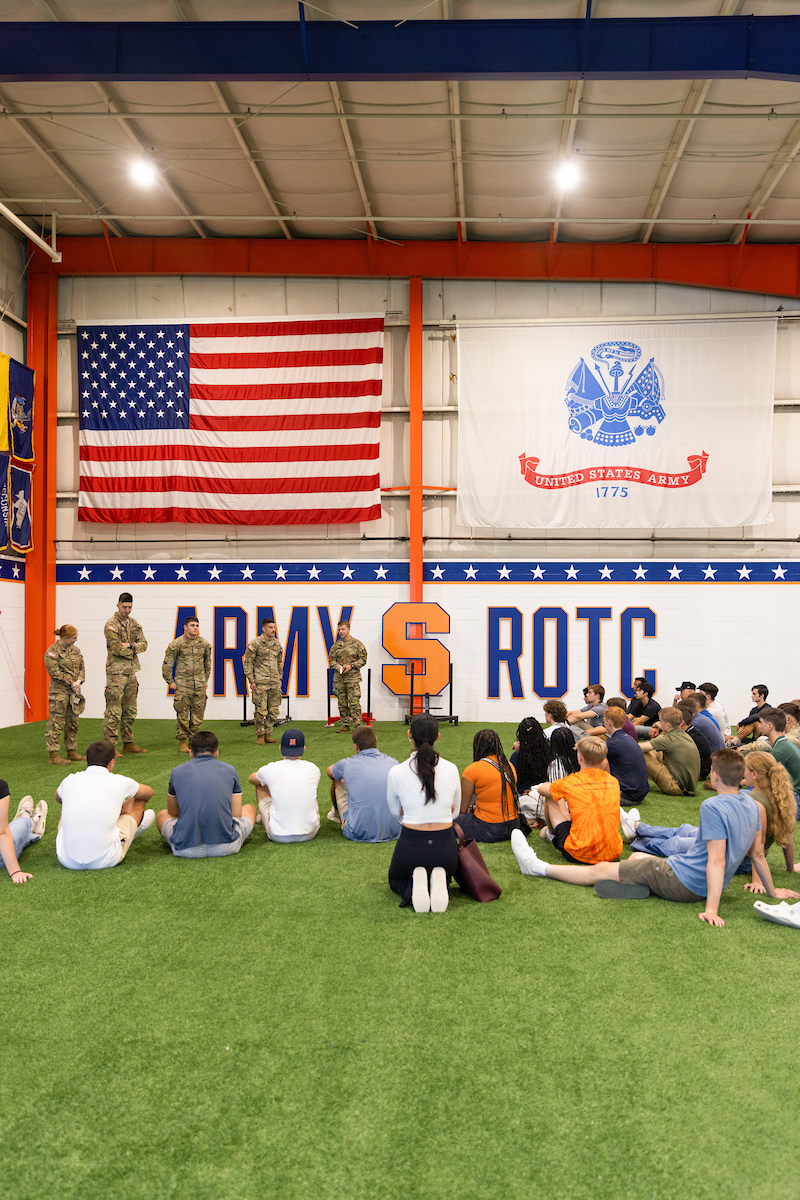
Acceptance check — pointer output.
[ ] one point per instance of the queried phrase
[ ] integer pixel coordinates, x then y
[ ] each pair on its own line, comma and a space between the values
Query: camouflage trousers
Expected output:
348, 697
121, 693
65, 708
190, 709
267, 705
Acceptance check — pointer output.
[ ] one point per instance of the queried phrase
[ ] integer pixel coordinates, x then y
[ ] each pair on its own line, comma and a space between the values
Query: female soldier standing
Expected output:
64, 663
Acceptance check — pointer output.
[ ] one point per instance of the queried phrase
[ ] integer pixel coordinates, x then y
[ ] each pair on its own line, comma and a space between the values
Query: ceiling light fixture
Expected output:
144, 172
567, 176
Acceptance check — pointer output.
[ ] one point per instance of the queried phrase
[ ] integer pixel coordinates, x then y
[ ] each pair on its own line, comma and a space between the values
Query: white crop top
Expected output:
404, 791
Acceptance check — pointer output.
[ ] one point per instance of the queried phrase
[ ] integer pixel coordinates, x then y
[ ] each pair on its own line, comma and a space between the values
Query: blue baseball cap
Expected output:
293, 743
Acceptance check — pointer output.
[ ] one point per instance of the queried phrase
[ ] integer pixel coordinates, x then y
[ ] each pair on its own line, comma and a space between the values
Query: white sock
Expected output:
537, 866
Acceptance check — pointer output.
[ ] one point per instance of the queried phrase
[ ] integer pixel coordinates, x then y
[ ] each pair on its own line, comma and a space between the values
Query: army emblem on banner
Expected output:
608, 402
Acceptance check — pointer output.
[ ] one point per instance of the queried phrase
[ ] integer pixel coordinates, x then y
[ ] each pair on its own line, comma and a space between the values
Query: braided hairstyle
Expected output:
533, 755
562, 748
774, 781
486, 744
424, 731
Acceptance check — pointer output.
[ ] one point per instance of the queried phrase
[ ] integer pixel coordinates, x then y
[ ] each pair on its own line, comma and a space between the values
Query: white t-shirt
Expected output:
91, 801
717, 710
404, 790
292, 784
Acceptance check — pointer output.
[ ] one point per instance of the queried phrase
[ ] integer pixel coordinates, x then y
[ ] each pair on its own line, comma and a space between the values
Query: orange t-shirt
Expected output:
593, 799
488, 783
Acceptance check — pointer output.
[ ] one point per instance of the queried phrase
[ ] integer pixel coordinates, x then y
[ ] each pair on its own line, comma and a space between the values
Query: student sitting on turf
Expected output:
728, 829
746, 730
771, 724
101, 813
286, 792
707, 724
672, 760
556, 713
629, 728
792, 730
591, 715
648, 708
358, 791
27, 827
715, 707
205, 817
625, 760
768, 783
489, 809
582, 810
534, 753
688, 711
563, 757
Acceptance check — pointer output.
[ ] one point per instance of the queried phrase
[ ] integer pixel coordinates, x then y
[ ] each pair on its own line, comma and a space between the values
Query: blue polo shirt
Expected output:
203, 787
368, 817
627, 765
732, 816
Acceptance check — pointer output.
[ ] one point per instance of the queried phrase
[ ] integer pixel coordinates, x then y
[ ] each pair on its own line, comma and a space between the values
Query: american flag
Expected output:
264, 422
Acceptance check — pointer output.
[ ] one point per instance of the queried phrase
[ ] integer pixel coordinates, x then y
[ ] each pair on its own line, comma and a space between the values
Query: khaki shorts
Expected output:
127, 826
659, 877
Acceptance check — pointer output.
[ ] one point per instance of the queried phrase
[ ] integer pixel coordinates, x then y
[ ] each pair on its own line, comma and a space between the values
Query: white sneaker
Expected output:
146, 821
440, 896
334, 816
528, 861
420, 898
39, 819
628, 821
25, 808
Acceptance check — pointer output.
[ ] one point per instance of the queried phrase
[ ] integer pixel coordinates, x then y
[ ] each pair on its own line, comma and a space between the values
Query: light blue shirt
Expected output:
368, 816
733, 817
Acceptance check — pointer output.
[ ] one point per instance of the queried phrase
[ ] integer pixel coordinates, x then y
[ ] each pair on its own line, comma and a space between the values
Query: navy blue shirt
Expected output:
710, 730
703, 749
627, 765
203, 787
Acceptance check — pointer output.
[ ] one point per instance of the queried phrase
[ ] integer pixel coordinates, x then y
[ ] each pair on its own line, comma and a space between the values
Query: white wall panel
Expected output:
12, 652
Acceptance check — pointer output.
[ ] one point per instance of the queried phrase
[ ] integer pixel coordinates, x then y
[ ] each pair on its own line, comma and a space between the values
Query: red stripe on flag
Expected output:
287, 328
300, 358
122, 484
265, 424
284, 391
207, 516
221, 454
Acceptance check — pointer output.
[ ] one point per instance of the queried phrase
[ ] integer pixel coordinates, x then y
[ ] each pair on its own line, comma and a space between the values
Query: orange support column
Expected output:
415, 442
40, 567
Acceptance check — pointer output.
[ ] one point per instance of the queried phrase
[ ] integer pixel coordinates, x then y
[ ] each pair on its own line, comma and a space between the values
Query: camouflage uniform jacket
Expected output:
192, 662
120, 660
263, 663
64, 665
352, 653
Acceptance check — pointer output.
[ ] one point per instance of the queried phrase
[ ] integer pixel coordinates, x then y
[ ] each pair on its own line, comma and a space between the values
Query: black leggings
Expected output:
426, 848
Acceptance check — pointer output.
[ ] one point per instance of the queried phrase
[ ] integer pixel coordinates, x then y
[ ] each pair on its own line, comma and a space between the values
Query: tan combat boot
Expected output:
183, 746
260, 740
57, 760
271, 741
73, 756
132, 748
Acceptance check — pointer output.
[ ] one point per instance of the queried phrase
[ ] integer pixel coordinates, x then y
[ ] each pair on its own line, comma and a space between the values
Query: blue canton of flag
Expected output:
134, 377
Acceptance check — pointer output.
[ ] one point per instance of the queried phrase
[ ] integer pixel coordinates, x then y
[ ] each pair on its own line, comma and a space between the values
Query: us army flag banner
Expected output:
616, 426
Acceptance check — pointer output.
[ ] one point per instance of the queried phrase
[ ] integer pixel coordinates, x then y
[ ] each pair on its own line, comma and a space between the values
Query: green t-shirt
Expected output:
788, 754
681, 758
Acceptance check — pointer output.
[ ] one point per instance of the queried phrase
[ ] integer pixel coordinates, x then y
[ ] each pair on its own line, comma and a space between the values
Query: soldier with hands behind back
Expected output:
125, 642
347, 657
187, 668
263, 668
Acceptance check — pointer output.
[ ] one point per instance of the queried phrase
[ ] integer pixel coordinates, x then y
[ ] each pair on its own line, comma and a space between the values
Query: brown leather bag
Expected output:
472, 874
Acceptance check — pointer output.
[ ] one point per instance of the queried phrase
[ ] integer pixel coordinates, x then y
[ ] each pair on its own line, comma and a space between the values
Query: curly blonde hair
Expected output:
773, 779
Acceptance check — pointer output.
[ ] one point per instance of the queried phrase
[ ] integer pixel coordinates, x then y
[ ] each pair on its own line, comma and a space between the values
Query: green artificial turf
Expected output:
273, 1025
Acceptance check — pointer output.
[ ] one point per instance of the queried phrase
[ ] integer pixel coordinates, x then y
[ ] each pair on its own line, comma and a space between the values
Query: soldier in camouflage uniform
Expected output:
125, 642
263, 668
347, 656
64, 663
190, 658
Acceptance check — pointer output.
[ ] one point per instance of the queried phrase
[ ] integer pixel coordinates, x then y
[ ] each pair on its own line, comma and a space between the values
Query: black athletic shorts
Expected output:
560, 835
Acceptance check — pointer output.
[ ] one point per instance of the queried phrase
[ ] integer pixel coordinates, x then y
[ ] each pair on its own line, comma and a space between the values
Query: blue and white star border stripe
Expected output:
444, 571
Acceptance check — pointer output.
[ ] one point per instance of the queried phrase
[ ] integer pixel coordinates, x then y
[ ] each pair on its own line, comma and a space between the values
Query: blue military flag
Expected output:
19, 502
4, 507
20, 410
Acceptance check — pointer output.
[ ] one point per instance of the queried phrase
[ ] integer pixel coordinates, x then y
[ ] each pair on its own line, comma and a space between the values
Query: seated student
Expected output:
559, 759
767, 782
27, 827
101, 813
556, 713
792, 730
707, 724
746, 728
582, 810
358, 791
717, 710
648, 710
489, 809
531, 752
205, 817
591, 715
286, 793
688, 711
634, 708
671, 757
772, 723
728, 829
628, 727
683, 692
625, 760
563, 757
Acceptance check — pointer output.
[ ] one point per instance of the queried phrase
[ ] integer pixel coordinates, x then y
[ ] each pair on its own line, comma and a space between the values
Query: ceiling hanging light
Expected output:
144, 172
567, 175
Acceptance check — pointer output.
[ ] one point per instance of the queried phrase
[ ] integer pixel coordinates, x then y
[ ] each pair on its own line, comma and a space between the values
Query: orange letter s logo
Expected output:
435, 657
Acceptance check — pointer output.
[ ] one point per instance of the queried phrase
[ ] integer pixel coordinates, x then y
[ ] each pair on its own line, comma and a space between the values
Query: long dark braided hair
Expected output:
487, 744
562, 747
533, 755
